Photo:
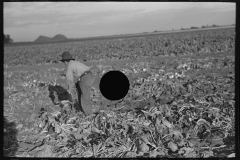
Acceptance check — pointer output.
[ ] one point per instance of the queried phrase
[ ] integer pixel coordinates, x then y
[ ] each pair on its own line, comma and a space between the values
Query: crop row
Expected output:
190, 43
167, 113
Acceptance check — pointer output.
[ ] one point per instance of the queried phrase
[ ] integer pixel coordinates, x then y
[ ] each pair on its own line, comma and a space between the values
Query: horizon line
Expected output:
171, 30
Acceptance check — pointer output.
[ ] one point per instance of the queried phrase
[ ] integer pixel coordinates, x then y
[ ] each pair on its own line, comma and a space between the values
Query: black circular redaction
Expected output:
114, 85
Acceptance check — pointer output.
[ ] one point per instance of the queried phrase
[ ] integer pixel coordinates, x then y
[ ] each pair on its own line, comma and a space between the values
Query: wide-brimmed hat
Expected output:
66, 56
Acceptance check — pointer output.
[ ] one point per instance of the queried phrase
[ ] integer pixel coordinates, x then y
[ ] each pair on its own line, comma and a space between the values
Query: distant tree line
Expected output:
214, 25
207, 26
7, 39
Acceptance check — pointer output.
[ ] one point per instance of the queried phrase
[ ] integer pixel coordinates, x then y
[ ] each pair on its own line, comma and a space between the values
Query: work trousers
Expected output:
84, 92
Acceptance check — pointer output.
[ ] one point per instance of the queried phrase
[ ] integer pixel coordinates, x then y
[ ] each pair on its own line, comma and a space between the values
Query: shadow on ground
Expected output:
10, 145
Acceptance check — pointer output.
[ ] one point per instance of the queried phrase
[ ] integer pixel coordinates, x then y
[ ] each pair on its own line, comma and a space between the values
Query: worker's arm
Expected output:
70, 80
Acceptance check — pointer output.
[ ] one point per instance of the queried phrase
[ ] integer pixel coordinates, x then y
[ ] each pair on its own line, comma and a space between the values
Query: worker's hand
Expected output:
70, 97
69, 92
94, 67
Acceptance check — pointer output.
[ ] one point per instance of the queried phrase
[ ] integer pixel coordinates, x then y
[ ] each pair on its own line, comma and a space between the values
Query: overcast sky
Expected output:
25, 21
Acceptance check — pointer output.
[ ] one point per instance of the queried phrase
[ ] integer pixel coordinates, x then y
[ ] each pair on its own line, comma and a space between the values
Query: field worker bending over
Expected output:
85, 79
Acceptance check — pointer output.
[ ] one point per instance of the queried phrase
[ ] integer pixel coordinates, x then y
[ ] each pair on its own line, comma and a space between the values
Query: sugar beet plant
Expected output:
176, 108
